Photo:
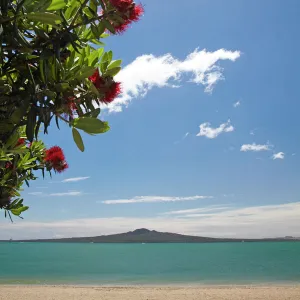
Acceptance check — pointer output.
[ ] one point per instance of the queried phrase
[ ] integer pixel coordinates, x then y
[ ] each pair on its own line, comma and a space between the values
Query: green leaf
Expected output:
12, 140
109, 56
72, 7
93, 89
95, 56
31, 121
43, 17
94, 113
108, 25
57, 4
42, 70
89, 12
86, 72
77, 139
60, 87
17, 115
93, 5
5, 127
101, 28
97, 30
91, 125
18, 211
112, 72
114, 64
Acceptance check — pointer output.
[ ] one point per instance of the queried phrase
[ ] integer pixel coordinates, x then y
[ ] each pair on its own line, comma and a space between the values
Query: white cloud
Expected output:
149, 71
211, 133
62, 194
211, 208
255, 147
182, 139
279, 155
250, 222
236, 104
75, 179
151, 199
70, 193
35, 193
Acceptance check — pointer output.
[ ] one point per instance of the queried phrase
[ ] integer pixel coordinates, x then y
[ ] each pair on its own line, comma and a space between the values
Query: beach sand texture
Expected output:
149, 293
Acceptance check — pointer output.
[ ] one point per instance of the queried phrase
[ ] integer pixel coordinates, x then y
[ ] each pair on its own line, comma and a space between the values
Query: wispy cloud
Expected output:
60, 194
151, 199
75, 179
236, 104
252, 132
212, 133
279, 155
149, 71
182, 139
186, 135
35, 193
66, 194
255, 147
248, 222
211, 208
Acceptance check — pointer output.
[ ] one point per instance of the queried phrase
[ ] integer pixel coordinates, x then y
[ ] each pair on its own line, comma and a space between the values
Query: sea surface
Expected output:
153, 264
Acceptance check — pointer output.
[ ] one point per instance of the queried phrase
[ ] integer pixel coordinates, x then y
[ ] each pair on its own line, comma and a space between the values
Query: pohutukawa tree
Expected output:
53, 69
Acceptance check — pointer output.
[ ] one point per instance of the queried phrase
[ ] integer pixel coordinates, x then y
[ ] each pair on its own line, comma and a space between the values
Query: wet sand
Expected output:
150, 293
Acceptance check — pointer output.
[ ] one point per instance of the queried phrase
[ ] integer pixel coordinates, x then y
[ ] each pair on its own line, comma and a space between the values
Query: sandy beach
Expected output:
150, 293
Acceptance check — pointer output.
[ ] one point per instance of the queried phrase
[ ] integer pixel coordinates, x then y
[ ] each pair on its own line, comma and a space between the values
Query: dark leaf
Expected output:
30, 126
77, 139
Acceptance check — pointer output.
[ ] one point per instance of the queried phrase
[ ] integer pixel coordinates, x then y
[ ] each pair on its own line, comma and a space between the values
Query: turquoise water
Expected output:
117, 264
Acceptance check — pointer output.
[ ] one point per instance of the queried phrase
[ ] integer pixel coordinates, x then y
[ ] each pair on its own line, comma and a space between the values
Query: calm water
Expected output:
116, 264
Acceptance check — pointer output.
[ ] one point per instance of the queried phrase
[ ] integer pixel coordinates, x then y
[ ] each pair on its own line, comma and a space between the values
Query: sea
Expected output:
150, 264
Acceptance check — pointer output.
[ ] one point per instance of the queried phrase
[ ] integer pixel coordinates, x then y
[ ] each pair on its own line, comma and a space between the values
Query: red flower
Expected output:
71, 106
112, 92
56, 159
122, 5
8, 165
136, 13
61, 167
71, 103
21, 141
109, 88
96, 79
129, 11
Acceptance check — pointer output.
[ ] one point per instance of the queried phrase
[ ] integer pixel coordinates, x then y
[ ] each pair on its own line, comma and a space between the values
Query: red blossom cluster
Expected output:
109, 88
56, 159
8, 165
71, 105
129, 11
21, 141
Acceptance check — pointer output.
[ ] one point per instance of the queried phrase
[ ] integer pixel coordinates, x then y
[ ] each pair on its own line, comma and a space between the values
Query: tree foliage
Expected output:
53, 68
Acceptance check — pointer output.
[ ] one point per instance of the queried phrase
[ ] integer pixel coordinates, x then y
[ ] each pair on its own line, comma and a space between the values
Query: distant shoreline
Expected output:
147, 236
163, 242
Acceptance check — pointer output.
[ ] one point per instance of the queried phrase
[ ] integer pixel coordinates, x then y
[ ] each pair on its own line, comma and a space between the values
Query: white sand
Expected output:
150, 293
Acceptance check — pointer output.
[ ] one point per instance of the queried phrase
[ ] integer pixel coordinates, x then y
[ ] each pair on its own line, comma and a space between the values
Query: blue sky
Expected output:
176, 140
